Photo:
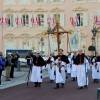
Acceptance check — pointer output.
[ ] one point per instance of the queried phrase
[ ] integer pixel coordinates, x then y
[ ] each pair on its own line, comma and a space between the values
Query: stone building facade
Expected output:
23, 24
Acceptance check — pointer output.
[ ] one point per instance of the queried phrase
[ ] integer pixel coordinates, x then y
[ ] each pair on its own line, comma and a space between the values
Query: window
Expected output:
79, 19
25, 20
84, 1
57, 17
24, 2
58, 0
10, 20
91, 0
40, 19
9, 2
40, 1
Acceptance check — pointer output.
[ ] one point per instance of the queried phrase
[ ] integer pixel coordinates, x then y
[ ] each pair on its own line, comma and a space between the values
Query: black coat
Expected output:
38, 61
48, 60
74, 60
63, 58
97, 59
80, 59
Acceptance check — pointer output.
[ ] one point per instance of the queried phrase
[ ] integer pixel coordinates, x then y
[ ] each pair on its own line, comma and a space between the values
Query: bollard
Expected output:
98, 94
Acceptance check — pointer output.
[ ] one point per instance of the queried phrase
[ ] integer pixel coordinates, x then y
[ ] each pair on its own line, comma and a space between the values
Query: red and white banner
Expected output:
97, 20
34, 21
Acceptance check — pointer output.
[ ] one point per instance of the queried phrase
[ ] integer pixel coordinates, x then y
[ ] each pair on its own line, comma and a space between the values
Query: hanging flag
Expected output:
98, 20
17, 21
6, 21
1, 20
49, 20
32, 20
72, 21
36, 21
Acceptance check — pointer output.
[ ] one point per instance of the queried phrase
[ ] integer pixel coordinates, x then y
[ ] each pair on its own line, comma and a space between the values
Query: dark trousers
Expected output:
37, 84
58, 85
0, 75
12, 71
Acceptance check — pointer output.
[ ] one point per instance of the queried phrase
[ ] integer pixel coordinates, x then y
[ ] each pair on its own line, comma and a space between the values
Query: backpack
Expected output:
2, 63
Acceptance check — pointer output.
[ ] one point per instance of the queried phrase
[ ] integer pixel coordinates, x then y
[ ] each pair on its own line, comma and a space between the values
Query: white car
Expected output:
23, 61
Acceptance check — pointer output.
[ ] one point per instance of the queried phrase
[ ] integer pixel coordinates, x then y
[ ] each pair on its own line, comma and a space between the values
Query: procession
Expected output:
76, 66
50, 49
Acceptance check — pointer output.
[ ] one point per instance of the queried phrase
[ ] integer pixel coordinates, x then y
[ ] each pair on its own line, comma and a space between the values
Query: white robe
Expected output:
36, 75
69, 65
73, 71
96, 71
51, 70
81, 75
68, 68
60, 76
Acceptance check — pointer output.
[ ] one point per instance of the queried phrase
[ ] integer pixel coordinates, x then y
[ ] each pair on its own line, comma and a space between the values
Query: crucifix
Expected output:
58, 30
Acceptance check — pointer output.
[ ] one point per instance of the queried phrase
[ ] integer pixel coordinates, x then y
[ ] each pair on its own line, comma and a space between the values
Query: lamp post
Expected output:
94, 32
42, 44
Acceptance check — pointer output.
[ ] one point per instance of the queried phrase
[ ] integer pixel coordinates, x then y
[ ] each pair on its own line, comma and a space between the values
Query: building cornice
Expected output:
79, 9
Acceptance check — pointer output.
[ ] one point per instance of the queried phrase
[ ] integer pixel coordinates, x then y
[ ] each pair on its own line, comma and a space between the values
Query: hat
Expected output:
37, 52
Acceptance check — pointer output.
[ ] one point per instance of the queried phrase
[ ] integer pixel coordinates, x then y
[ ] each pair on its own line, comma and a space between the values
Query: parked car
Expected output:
23, 62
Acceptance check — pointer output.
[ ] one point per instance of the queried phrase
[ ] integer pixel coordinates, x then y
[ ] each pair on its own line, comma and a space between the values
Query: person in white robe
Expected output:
51, 68
96, 69
60, 73
36, 76
81, 70
73, 68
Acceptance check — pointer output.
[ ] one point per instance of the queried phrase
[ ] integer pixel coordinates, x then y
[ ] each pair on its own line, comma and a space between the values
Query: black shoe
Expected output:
57, 86
86, 86
11, 76
97, 81
51, 81
66, 77
80, 87
35, 84
62, 85
94, 81
39, 84
73, 79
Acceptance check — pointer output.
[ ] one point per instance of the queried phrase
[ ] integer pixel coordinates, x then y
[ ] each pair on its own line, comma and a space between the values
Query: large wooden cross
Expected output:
58, 30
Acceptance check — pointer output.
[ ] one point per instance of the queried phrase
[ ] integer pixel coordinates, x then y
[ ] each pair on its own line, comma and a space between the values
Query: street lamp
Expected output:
42, 44
94, 32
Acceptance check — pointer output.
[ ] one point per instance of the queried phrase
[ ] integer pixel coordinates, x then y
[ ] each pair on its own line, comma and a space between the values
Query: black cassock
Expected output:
80, 59
63, 58
36, 75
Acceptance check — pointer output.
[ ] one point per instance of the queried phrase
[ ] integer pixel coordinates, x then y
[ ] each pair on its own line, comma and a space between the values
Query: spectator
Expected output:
13, 61
2, 65
8, 66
